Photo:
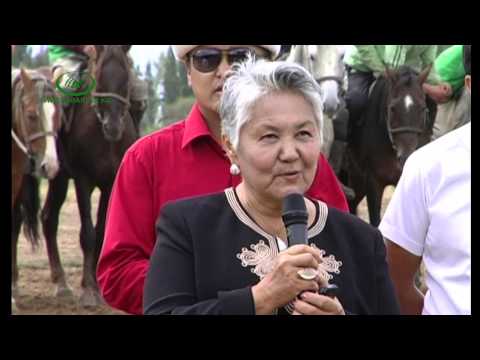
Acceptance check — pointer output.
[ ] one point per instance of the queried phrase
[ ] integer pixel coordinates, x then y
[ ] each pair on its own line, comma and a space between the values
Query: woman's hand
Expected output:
315, 304
283, 283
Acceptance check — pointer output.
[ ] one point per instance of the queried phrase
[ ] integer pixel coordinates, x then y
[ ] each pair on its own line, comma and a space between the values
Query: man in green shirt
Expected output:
71, 59
367, 62
455, 111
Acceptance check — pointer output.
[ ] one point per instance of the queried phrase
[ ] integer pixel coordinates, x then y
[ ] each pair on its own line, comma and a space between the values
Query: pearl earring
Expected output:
234, 169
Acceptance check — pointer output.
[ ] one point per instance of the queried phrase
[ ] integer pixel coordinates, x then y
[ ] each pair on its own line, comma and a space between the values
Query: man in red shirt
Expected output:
182, 160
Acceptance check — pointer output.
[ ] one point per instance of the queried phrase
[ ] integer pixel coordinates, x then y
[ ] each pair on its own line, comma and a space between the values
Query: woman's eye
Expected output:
268, 137
304, 134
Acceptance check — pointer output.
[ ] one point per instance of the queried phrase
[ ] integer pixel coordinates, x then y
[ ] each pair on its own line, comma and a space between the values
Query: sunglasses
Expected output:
206, 60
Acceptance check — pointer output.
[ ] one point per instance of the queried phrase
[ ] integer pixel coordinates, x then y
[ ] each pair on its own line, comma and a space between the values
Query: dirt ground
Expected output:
36, 291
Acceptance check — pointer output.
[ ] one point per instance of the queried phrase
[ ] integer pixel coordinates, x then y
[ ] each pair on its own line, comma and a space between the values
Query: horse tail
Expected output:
30, 206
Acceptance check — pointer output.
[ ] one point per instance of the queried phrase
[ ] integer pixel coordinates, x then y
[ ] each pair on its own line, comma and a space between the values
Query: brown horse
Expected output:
398, 119
91, 150
34, 127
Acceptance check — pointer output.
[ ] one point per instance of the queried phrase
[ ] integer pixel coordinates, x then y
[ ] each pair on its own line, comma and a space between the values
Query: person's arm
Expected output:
370, 58
386, 298
326, 186
405, 226
129, 236
403, 267
170, 286
428, 58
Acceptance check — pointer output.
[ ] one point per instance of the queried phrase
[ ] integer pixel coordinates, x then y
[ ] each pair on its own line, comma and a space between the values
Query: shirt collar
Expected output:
195, 126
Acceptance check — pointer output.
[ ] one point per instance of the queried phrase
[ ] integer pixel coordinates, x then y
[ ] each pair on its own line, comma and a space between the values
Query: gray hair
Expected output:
251, 80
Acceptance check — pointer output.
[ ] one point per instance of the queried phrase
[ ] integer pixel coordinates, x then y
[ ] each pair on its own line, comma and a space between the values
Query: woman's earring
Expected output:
234, 169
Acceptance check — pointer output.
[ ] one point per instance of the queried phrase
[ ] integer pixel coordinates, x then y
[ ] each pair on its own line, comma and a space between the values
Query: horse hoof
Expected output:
63, 291
89, 299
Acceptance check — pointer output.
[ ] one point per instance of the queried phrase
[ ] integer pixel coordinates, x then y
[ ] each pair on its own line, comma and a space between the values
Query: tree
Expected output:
41, 59
171, 82
153, 101
185, 89
22, 56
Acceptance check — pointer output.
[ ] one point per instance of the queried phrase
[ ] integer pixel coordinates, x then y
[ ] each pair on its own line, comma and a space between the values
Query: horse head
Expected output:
329, 71
33, 127
407, 118
112, 93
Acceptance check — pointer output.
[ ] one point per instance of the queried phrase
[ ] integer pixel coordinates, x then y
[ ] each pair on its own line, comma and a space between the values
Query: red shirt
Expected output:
179, 161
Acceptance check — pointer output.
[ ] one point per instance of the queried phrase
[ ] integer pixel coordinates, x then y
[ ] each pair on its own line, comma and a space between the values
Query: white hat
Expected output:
181, 50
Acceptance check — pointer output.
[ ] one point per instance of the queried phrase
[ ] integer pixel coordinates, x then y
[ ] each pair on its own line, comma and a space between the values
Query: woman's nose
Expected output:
289, 151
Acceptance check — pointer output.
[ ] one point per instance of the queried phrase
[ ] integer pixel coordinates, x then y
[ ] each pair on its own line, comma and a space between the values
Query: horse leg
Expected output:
16, 224
374, 200
57, 192
84, 189
100, 226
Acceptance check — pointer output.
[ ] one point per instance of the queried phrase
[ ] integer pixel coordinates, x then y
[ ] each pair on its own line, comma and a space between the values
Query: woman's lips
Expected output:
291, 175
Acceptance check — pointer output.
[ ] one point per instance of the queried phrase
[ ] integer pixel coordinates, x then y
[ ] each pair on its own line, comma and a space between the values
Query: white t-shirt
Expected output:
430, 216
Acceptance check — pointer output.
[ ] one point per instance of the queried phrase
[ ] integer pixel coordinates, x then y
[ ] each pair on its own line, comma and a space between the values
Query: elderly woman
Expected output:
228, 253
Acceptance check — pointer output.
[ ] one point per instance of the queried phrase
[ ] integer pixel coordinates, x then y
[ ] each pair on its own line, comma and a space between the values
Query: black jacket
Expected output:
209, 253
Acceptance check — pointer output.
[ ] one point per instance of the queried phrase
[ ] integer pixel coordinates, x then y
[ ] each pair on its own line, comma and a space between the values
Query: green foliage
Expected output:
175, 98
171, 79
177, 110
22, 56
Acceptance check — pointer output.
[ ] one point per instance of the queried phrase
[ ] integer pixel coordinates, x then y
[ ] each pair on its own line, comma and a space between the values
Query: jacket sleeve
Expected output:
170, 284
387, 302
369, 57
326, 186
428, 57
129, 236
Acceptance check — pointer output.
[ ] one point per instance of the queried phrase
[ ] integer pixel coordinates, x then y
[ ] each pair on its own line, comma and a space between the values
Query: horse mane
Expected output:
109, 52
406, 76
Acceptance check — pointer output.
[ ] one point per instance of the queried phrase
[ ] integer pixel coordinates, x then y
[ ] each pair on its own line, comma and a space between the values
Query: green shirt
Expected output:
449, 67
372, 58
56, 52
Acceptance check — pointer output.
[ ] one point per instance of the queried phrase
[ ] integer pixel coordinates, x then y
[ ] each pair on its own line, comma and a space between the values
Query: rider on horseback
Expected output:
74, 59
365, 63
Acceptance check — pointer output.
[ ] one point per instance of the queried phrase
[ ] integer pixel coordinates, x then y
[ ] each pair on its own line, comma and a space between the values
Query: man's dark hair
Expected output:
467, 59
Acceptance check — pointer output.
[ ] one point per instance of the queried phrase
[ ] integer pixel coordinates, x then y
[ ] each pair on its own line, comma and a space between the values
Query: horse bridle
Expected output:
403, 129
337, 79
124, 100
26, 147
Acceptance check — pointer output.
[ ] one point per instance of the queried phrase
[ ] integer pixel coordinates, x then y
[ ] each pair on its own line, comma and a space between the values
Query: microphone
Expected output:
295, 218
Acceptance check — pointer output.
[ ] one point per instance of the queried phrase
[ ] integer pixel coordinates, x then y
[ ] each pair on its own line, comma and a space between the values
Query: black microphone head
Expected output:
294, 210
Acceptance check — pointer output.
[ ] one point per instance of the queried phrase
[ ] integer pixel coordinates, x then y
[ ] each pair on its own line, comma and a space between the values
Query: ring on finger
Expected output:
307, 274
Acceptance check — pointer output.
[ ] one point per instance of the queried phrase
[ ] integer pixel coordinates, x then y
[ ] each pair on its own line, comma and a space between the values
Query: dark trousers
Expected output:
356, 97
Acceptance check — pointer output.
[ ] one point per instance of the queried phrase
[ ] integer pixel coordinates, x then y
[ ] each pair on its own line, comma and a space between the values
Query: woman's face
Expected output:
207, 86
279, 147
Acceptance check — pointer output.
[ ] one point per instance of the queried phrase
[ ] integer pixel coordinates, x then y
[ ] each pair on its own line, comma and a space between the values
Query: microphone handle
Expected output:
297, 234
